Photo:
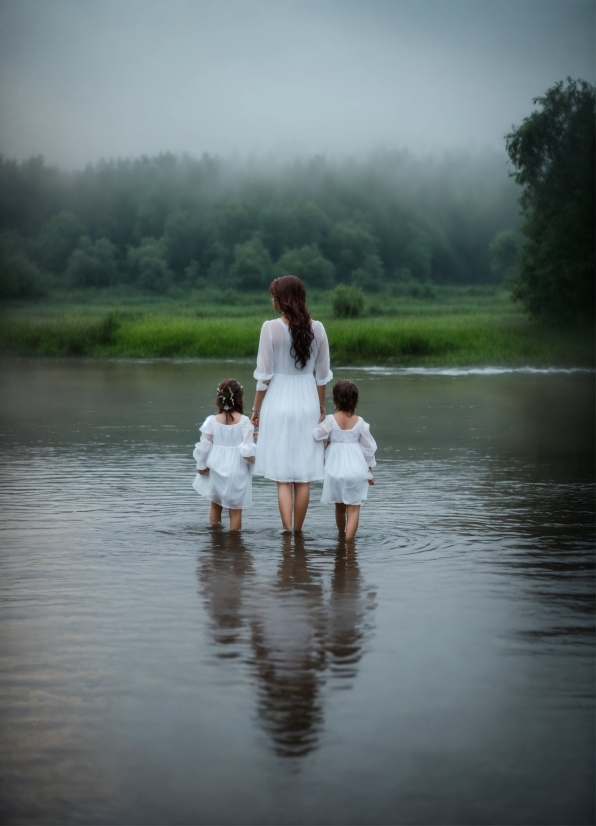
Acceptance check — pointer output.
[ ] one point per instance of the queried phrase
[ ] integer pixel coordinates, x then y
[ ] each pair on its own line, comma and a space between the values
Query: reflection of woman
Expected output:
290, 631
288, 641
292, 371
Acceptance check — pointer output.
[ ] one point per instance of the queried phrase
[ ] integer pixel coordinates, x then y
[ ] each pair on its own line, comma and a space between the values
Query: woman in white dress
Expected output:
292, 371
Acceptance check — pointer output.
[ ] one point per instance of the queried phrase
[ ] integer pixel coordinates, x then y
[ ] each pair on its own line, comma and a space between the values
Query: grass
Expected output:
457, 328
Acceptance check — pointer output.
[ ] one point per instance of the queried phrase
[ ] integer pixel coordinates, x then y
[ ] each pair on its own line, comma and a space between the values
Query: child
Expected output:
349, 458
225, 456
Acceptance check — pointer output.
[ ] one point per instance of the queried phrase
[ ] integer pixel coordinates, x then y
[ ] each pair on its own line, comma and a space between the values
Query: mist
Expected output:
114, 78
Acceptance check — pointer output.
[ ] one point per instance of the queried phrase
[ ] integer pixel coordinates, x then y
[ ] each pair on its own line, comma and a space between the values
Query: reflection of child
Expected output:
349, 458
225, 456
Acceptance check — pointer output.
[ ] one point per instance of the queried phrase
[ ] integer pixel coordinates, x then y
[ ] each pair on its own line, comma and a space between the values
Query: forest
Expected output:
170, 224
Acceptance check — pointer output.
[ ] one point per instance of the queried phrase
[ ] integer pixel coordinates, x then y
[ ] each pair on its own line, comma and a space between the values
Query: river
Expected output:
155, 671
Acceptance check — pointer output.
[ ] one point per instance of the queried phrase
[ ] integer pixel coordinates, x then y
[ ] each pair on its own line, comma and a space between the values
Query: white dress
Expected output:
223, 449
348, 457
286, 450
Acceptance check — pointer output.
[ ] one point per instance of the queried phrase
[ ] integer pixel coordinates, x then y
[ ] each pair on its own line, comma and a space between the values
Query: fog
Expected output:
83, 81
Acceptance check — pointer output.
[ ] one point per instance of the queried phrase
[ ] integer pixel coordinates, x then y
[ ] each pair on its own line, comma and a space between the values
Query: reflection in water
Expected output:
303, 630
223, 572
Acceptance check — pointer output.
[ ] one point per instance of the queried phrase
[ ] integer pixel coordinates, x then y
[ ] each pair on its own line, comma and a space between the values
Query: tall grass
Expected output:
479, 338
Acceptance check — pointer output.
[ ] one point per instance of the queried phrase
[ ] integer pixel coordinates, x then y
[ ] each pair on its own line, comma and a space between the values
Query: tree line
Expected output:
177, 222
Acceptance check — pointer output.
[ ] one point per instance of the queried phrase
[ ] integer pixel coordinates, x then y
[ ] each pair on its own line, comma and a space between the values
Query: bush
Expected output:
347, 302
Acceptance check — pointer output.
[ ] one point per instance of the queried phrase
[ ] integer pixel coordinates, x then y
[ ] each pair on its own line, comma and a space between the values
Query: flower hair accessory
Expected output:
227, 399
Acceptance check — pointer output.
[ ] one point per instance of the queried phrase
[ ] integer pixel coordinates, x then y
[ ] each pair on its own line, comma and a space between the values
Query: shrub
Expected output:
347, 302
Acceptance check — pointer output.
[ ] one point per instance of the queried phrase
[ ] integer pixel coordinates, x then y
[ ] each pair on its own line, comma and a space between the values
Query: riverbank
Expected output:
446, 338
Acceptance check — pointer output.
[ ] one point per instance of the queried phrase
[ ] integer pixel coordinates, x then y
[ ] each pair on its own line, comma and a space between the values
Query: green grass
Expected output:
437, 337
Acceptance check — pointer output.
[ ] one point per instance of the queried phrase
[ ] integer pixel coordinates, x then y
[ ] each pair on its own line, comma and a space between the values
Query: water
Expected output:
154, 671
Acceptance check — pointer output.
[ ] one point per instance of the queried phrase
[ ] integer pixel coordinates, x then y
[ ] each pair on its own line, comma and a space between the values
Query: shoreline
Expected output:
480, 340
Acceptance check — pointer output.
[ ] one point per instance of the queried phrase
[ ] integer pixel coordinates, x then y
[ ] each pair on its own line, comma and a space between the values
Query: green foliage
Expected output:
307, 264
60, 337
347, 302
252, 268
370, 275
553, 152
19, 276
148, 266
504, 254
92, 264
58, 240
452, 338
349, 245
351, 223
416, 255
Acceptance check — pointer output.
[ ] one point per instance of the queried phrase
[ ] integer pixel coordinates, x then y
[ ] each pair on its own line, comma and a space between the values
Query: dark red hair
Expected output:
289, 293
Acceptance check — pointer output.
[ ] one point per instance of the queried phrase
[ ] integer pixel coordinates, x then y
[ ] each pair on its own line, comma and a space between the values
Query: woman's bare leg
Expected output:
301, 497
284, 500
235, 519
353, 517
215, 514
340, 517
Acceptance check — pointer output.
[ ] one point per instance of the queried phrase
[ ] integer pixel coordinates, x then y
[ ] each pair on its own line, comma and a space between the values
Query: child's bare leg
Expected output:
235, 519
284, 500
215, 514
301, 497
340, 517
353, 517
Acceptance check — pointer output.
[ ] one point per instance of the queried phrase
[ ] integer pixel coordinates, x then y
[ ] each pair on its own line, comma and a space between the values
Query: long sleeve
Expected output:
203, 447
264, 371
248, 447
323, 374
323, 429
367, 444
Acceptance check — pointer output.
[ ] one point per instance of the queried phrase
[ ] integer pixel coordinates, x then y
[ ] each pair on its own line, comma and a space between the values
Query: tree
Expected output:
92, 264
19, 276
416, 256
504, 253
57, 241
148, 266
370, 275
252, 265
309, 265
349, 244
553, 153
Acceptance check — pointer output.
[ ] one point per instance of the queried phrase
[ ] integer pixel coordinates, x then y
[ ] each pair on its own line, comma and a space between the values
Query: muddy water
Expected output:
154, 671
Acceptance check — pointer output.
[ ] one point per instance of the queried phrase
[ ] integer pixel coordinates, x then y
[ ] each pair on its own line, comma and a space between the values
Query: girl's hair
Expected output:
345, 396
290, 294
229, 398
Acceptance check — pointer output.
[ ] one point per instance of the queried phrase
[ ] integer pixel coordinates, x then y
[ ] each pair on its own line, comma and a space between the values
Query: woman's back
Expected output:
276, 353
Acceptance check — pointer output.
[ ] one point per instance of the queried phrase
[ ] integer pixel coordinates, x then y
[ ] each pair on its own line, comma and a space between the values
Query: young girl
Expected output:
225, 456
349, 458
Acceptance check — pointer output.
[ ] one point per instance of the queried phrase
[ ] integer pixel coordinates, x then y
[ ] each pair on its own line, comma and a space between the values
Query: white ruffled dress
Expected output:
287, 451
349, 455
224, 449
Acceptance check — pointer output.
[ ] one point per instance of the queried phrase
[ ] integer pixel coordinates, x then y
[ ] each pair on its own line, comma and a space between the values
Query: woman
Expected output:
292, 371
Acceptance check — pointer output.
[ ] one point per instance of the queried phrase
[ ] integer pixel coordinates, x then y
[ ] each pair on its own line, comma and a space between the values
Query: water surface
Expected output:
154, 671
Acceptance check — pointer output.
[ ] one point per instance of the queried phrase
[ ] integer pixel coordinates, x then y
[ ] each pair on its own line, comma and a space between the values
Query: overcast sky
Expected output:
82, 80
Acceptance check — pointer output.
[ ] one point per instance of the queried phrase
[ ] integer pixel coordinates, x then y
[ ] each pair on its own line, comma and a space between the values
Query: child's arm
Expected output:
322, 430
248, 448
368, 447
203, 448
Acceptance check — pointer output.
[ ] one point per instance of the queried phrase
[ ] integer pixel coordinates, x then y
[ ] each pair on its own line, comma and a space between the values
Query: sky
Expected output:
84, 80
